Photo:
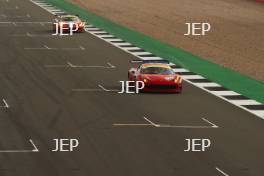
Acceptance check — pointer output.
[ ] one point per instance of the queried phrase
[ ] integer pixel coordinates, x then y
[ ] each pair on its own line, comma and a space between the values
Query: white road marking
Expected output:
70, 65
259, 113
86, 90
102, 88
140, 52
224, 93
82, 48
108, 90
5, 104
150, 58
116, 40
244, 102
132, 48
157, 125
45, 47
79, 48
57, 66
28, 34
222, 172
152, 123
180, 70
132, 124
210, 84
192, 77
25, 22
35, 149
213, 125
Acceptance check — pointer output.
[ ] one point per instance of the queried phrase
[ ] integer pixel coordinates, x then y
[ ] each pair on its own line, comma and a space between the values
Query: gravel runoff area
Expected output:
236, 40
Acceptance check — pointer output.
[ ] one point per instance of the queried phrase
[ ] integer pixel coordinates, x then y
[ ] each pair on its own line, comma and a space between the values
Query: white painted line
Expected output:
25, 22
111, 65
224, 93
28, 34
5, 104
22, 151
210, 84
33, 35
93, 29
123, 44
82, 48
244, 102
132, 124
57, 66
177, 70
131, 48
139, 52
35, 147
70, 65
79, 48
86, 90
45, 47
213, 125
101, 36
259, 113
152, 123
99, 32
90, 26
192, 77
150, 58
118, 40
102, 88
222, 172
108, 90
21, 16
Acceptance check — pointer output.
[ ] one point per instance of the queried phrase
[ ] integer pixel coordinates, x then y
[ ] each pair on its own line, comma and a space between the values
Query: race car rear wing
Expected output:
150, 61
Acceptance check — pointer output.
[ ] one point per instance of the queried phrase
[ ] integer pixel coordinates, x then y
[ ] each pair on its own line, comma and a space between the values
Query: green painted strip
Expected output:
230, 79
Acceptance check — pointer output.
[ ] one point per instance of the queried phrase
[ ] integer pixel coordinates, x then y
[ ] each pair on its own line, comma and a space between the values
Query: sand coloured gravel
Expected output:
236, 40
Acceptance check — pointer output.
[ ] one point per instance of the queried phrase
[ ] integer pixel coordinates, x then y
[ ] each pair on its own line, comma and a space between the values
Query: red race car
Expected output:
157, 76
68, 21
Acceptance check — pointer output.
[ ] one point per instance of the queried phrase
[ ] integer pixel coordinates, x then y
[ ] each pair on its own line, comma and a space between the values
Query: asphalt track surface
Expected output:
42, 106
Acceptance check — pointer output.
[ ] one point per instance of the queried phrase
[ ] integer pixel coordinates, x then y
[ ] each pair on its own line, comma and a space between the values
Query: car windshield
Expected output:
69, 19
157, 71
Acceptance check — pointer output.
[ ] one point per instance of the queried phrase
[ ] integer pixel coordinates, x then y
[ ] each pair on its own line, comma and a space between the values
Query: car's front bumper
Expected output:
172, 88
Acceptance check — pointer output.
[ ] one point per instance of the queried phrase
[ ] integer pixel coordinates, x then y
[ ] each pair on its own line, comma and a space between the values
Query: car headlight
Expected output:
169, 78
81, 24
178, 80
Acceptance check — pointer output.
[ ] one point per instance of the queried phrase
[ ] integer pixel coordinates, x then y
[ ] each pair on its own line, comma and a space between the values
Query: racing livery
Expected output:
157, 76
68, 21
